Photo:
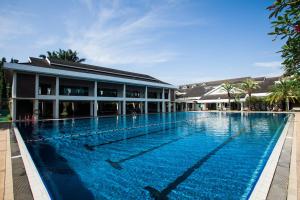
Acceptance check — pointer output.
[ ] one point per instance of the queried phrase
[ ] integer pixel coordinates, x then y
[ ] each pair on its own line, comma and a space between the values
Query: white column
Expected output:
36, 101
204, 106
95, 99
14, 85
14, 95
36, 109
119, 108
37, 85
163, 102
124, 99
174, 107
56, 101
169, 102
186, 106
146, 100
242, 106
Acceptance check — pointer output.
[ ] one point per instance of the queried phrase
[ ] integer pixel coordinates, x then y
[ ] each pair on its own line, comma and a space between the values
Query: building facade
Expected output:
211, 96
49, 88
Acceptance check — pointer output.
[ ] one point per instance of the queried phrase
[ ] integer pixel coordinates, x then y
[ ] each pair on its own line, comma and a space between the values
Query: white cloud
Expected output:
272, 64
11, 27
46, 42
126, 35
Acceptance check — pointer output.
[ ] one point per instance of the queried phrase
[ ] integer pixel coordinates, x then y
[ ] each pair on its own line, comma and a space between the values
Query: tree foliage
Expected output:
285, 16
286, 90
249, 86
228, 88
61, 54
2, 81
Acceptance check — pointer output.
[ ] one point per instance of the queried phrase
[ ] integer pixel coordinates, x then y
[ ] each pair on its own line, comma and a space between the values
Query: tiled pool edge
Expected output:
292, 185
37, 186
261, 189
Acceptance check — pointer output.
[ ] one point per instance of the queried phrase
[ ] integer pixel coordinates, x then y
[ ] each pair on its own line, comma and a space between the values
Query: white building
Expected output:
43, 88
211, 96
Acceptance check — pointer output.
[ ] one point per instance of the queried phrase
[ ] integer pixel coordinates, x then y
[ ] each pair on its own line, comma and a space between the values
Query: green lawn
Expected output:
5, 116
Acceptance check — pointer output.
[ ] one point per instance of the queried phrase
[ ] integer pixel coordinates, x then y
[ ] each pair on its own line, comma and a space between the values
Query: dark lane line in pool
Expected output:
116, 164
92, 147
163, 195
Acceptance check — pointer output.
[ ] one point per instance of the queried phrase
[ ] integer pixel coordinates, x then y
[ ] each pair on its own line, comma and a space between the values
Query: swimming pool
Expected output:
184, 155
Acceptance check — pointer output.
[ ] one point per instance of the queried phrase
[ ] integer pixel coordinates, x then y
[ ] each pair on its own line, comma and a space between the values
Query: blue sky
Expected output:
178, 41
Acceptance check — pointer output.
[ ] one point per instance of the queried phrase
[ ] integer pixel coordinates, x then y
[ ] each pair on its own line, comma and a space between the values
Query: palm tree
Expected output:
68, 55
249, 86
228, 88
286, 90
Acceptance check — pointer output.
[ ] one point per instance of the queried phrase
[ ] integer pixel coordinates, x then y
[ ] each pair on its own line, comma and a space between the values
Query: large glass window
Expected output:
73, 91
133, 94
166, 95
45, 89
153, 95
105, 92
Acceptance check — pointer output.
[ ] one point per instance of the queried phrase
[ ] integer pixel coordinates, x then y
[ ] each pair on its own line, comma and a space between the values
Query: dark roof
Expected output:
199, 89
80, 67
266, 85
220, 96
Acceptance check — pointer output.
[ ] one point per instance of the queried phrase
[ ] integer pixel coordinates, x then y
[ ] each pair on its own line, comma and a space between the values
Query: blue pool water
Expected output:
184, 155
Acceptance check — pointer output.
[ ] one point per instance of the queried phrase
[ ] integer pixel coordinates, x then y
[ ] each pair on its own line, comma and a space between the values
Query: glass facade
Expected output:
73, 91
45, 89
105, 92
133, 94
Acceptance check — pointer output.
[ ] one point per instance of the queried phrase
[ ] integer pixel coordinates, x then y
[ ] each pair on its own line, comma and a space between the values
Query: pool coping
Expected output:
261, 189
36, 183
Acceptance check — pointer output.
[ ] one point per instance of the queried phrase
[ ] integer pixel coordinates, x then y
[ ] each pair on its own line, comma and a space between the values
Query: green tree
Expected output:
285, 15
2, 82
228, 88
68, 55
286, 90
249, 86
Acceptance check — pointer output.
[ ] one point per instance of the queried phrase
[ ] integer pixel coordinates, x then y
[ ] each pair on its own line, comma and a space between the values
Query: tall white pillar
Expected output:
163, 102
186, 106
36, 101
146, 100
124, 99
14, 85
36, 109
95, 99
169, 101
204, 106
242, 106
120, 108
14, 95
174, 107
56, 101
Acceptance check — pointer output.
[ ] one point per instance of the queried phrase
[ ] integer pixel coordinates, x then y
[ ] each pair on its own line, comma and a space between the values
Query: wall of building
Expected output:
66, 96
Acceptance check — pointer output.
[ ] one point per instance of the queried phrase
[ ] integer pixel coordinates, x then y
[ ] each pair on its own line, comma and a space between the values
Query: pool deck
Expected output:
291, 186
297, 148
6, 182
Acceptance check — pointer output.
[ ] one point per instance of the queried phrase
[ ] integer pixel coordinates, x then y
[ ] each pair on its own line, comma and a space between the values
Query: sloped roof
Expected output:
80, 67
220, 96
199, 89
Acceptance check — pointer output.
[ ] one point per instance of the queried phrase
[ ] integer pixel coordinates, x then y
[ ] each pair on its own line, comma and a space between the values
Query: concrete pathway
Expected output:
297, 133
6, 184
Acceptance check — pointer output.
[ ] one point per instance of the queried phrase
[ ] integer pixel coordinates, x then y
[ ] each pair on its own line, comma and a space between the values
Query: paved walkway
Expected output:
6, 187
297, 133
